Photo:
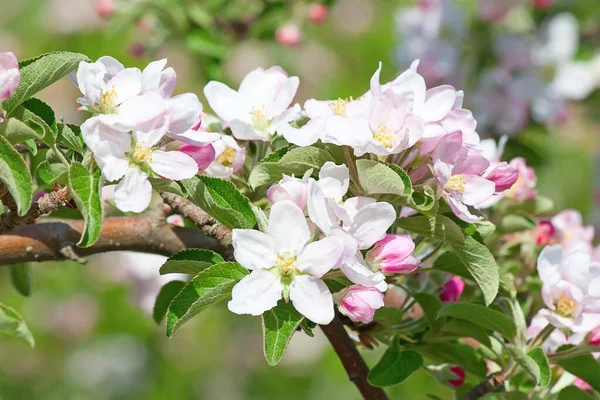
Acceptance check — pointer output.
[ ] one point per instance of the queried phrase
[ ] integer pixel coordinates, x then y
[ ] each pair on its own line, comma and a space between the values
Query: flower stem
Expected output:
352, 166
542, 336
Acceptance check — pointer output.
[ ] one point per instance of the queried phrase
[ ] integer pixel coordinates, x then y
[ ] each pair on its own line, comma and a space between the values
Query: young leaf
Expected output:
485, 317
51, 172
166, 185
526, 362
190, 261
389, 316
15, 175
376, 177
463, 329
395, 366
221, 200
437, 227
85, 189
454, 353
13, 324
69, 136
40, 73
538, 356
18, 131
21, 277
210, 286
279, 325
165, 296
431, 305
261, 217
36, 109
584, 367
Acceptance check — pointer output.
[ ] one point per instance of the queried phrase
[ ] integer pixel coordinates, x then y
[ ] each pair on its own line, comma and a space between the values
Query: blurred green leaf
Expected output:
482, 316
584, 367
21, 277
395, 366
12, 324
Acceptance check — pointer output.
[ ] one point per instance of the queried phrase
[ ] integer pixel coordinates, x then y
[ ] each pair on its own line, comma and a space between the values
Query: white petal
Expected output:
256, 293
575, 80
334, 180
127, 83
174, 165
312, 298
185, 110
90, 78
134, 192
316, 108
284, 97
288, 227
586, 322
150, 113
438, 106
305, 135
151, 75
575, 269
108, 146
371, 222
112, 65
318, 209
319, 257
224, 101
254, 249
357, 271
547, 265
241, 130
196, 138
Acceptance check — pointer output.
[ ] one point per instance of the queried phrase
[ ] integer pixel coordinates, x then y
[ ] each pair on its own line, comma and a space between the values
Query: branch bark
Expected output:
485, 387
351, 359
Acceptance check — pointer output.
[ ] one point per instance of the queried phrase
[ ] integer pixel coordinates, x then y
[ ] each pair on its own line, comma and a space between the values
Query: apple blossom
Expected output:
284, 264
452, 290
229, 157
288, 35
458, 171
135, 157
289, 188
594, 337
203, 155
556, 339
523, 188
360, 302
10, 77
570, 232
393, 255
569, 289
259, 107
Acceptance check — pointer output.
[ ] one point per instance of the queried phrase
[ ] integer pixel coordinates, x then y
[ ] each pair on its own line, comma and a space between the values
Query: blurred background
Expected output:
530, 70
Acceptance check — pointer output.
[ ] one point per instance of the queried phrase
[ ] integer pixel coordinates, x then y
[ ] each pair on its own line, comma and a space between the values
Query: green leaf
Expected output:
539, 205
538, 356
261, 218
485, 317
45, 118
85, 189
395, 366
295, 161
40, 73
526, 362
572, 393
336, 281
166, 185
463, 328
13, 324
221, 200
388, 316
378, 178
279, 325
210, 286
190, 261
69, 136
452, 352
15, 175
21, 277
515, 223
165, 296
437, 227
51, 172
431, 305
584, 367
17, 131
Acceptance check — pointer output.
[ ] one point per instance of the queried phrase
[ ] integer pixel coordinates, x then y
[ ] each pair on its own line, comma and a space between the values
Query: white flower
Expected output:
259, 107
134, 157
229, 158
284, 264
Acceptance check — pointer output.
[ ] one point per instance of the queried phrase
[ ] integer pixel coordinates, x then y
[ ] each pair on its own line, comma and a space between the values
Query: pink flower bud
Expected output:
503, 175
288, 35
544, 232
360, 302
105, 8
594, 337
581, 384
542, 4
203, 155
453, 288
10, 76
137, 49
289, 188
317, 12
460, 376
393, 255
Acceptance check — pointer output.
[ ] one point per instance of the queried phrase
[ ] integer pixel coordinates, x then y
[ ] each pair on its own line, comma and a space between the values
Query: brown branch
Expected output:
207, 224
353, 363
148, 233
46, 204
485, 387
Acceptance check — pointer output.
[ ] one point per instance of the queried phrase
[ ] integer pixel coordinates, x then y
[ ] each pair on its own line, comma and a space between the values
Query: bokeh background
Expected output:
95, 338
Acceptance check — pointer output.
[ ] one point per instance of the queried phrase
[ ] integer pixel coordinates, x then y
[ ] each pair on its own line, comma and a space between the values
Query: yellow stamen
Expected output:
226, 157
456, 183
565, 306
259, 118
107, 98
338, 107
286, 263
142, 153
385, 136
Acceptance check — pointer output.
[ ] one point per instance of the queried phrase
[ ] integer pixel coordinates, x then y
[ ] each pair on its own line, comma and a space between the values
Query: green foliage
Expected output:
395, 366
479, 315
210, 286
584, 367
378, 178
165, 296
69, 136
21, 277
86, 187
190, 261
545, 374
13, 324
222, 200
279, 325
431, 305
15, 175
51, 172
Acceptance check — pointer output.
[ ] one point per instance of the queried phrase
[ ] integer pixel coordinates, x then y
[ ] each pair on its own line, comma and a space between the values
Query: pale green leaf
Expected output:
279, 325
85, 189
13, 324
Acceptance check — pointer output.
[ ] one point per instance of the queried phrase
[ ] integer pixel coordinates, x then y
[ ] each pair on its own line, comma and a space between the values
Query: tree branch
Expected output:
147, 233
353, 363
485, 387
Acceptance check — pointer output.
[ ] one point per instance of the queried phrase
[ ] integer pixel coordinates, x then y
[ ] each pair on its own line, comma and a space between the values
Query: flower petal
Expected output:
185, 110
319, 257
311, 297
284, 96
224, 101
126, 84
288, 227
547, 264
174, 165
371, 222
357, 271
256, 293
134, 192
254, 249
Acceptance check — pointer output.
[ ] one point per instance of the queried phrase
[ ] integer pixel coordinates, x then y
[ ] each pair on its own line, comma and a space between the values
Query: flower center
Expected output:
258, 117
107, 98
456, 183
384, 136
286, 263
338, 107
142, 153
226, 157
565, 306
